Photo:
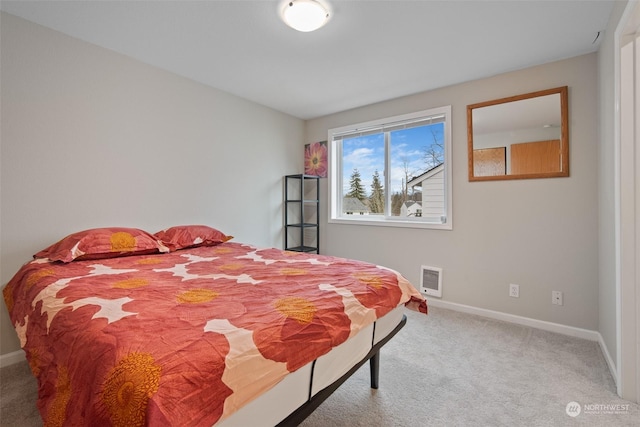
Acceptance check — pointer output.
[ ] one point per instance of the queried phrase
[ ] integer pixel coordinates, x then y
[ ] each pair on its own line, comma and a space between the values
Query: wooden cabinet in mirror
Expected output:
519, 137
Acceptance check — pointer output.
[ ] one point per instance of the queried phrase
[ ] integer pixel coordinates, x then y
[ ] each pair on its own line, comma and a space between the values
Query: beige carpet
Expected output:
445, 369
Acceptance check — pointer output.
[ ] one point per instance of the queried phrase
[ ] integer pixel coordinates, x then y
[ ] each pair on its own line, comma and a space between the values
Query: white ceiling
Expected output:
369, 51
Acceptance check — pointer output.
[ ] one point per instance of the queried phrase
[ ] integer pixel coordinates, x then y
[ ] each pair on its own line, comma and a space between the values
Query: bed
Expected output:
186, 327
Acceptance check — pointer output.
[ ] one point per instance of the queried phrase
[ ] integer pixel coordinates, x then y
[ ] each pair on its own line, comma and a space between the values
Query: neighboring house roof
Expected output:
410, 203
351, 204
426, 175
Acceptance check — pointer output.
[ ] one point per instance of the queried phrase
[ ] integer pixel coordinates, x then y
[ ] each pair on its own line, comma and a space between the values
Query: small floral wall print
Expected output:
315, 159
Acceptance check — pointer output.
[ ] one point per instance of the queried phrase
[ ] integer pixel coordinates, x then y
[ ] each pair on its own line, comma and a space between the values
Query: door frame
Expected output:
627, 201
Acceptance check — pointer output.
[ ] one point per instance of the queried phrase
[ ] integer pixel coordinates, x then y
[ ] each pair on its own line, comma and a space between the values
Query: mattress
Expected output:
298, 387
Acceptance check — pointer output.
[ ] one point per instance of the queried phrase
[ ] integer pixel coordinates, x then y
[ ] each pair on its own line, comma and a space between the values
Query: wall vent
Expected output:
431, 281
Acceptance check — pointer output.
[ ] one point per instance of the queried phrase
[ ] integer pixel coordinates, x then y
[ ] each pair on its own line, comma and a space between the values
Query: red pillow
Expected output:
187, 236
98, 243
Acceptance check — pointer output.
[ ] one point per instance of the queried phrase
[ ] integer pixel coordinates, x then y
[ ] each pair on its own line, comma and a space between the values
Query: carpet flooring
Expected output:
444, 369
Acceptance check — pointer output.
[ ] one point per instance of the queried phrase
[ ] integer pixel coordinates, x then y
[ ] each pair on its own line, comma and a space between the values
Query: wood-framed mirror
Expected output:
519, 137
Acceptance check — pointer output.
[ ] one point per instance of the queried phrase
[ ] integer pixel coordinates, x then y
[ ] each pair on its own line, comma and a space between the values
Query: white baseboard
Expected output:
11, 358
520, 320
608, 359
534, 323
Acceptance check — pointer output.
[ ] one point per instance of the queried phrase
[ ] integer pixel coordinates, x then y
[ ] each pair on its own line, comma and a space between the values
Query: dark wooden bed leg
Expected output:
374, 366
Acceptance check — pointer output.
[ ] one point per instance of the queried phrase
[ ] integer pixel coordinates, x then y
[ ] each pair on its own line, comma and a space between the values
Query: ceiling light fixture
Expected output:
305, 15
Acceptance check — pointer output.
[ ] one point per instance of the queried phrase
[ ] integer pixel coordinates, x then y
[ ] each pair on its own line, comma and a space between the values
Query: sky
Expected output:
408, 146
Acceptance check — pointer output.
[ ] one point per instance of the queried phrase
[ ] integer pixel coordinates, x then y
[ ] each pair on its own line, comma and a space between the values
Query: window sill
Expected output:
383, 222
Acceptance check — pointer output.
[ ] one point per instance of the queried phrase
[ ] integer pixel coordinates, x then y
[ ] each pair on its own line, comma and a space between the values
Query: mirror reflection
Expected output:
523, 136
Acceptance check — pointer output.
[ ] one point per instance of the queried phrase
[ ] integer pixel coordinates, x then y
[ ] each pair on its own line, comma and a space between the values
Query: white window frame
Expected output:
335, 176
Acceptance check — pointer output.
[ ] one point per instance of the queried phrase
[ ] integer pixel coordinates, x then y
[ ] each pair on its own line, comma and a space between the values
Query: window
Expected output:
393, 172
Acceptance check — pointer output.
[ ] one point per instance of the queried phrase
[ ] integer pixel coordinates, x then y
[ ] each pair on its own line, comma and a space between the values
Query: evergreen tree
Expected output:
356, 191
376, 200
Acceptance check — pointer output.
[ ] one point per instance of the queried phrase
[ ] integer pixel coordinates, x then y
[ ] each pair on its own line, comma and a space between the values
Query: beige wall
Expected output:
541, 234
92, 138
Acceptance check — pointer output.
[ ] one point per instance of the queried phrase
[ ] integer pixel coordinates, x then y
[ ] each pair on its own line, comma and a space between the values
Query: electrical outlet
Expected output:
514, 291
556, 297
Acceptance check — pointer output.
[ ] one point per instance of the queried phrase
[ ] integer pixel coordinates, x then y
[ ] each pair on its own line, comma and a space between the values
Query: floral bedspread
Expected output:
186, 338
